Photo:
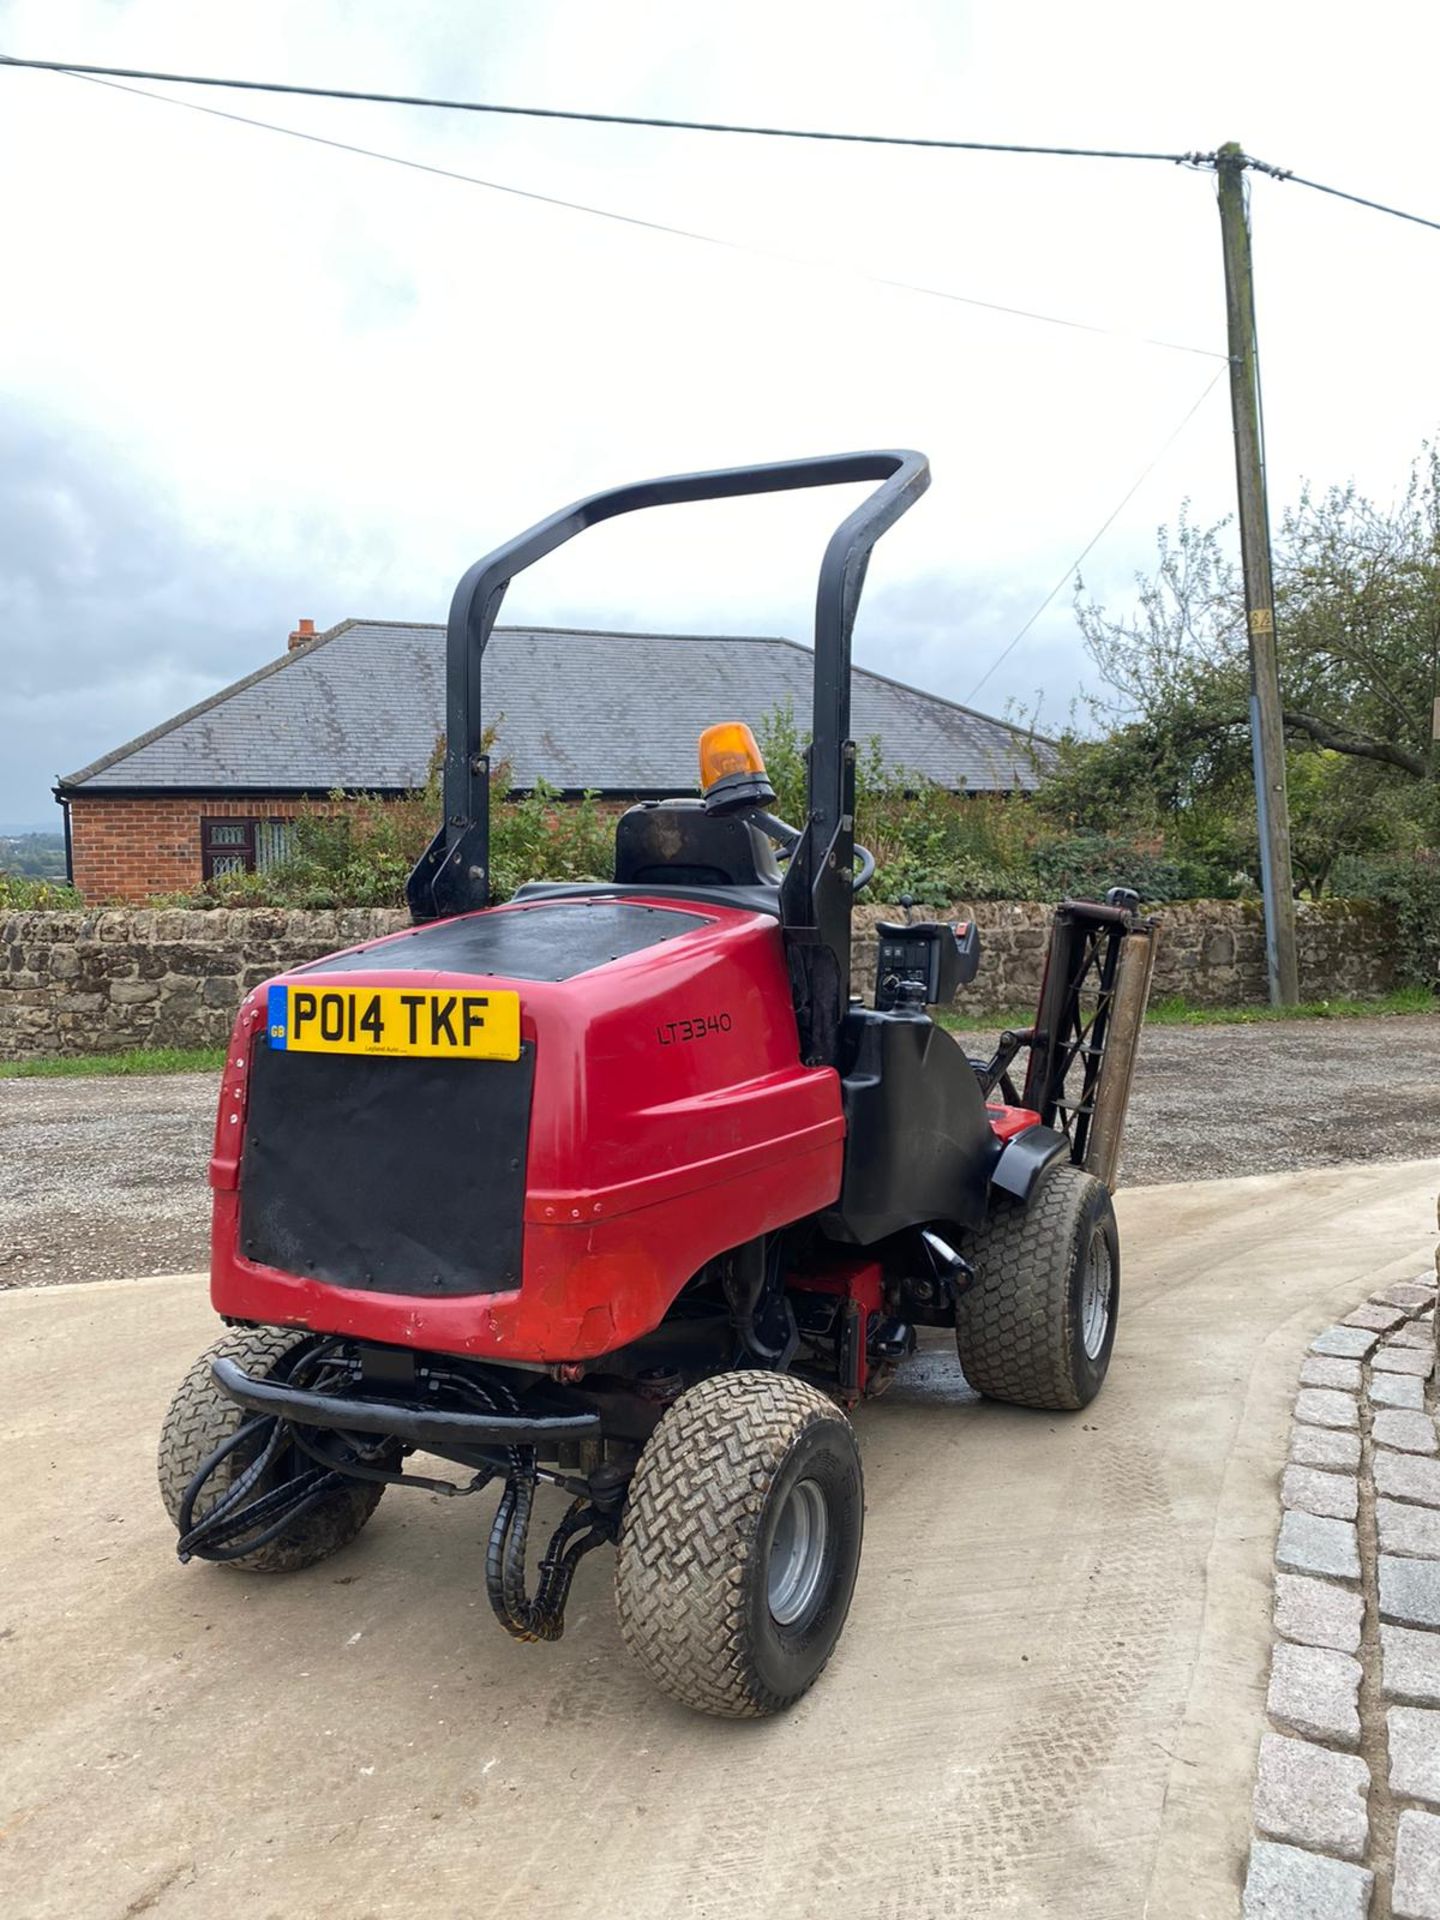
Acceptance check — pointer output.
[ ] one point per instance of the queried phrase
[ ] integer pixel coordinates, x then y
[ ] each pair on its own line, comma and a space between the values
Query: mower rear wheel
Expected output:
201, 1417
740, 1543
1037, 1326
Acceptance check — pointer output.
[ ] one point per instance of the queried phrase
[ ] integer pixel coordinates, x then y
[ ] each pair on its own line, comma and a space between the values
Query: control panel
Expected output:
930, 955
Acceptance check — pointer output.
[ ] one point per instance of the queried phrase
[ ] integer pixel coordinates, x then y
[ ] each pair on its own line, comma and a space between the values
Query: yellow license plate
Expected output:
424, 1023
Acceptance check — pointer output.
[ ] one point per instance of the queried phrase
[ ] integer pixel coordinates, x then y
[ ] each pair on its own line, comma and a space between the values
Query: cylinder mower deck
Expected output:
620, 1187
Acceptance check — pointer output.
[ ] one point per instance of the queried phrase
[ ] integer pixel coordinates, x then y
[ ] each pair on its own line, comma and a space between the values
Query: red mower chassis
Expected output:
671, 1119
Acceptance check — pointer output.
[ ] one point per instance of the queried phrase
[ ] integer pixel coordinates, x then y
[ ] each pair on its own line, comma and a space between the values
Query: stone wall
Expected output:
1212, 951
76, 983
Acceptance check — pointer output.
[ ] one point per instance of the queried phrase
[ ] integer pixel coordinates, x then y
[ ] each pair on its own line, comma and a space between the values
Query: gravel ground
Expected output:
1211, 1102
106, 1177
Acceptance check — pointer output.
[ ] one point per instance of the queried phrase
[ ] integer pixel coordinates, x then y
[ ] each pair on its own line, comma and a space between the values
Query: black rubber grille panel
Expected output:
393, 1176
543, 942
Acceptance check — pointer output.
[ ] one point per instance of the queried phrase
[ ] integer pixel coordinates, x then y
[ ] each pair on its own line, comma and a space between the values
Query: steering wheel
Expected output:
789, 838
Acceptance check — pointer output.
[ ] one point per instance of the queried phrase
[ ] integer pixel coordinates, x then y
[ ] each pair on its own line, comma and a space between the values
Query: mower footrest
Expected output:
421, 1426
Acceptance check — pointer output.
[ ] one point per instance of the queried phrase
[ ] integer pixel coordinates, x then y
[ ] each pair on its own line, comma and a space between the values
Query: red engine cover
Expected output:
671, 1119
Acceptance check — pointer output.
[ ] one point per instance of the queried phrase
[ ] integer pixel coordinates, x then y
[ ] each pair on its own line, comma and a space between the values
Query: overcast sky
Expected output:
245, 379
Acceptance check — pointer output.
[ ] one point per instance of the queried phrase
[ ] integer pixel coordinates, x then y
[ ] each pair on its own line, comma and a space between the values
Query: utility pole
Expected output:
1267, 728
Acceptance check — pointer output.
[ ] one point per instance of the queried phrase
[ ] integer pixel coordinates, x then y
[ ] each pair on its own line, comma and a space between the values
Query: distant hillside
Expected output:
37, 856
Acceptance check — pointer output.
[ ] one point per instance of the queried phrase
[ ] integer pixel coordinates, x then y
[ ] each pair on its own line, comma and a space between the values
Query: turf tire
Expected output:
201, 1416
1020, 1327
692, 1577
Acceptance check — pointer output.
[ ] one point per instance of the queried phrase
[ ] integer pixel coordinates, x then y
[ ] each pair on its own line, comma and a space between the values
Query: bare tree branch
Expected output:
1385, 751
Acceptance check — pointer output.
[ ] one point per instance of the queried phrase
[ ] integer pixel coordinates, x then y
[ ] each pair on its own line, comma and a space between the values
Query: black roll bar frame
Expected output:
453, 876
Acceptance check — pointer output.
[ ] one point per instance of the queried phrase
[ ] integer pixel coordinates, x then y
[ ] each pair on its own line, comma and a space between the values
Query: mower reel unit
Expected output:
619, 1190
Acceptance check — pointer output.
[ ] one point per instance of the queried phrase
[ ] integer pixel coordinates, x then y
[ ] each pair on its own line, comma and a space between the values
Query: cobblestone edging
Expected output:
1347, 1792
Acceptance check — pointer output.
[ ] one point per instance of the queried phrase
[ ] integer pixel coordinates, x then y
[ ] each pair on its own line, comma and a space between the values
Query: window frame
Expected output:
227, 845
247, 843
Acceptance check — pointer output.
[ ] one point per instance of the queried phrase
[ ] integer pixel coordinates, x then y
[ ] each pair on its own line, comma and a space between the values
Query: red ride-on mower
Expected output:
620, 1188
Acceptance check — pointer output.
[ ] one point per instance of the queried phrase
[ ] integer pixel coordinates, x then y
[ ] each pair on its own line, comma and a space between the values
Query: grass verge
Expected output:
1176, 1011
140, 1060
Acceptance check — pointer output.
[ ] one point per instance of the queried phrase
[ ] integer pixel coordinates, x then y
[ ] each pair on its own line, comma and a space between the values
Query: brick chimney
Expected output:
302, 636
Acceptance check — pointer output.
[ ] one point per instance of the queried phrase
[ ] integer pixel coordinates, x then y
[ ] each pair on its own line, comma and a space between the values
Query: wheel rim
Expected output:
798, 1554
1095, 1298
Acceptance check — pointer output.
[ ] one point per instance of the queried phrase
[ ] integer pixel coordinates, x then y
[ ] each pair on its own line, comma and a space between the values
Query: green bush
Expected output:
1410, 886
541, 837
21, 894
941, 847
1084, 865
934, 845
1346, 814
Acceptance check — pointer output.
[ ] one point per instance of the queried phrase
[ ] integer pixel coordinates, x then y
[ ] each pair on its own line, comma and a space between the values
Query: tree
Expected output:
1358, 618
1359, 611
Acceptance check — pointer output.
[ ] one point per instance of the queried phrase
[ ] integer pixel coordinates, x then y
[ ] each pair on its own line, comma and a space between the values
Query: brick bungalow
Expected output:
359, 709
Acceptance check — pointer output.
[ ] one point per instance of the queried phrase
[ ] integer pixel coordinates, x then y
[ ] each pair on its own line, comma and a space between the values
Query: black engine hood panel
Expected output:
546, 940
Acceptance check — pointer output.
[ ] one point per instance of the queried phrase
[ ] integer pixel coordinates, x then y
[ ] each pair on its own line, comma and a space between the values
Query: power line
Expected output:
599, 119
1075, 564
1188, 159
1338, 193
636, 220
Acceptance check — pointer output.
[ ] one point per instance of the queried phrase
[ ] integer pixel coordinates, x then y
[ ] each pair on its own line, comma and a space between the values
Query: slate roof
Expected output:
360, 707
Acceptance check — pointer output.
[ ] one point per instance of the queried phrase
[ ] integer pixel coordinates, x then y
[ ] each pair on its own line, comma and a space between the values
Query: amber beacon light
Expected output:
732, 769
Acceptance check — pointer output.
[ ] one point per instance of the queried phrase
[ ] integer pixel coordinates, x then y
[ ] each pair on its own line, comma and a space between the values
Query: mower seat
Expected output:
679, 843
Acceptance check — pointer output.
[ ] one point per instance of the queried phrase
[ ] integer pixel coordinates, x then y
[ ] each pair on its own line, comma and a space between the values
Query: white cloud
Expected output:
324, 385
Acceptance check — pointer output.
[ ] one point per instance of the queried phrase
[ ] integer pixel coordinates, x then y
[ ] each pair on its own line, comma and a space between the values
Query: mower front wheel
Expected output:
1037, 1325
201, 1418
740, 1543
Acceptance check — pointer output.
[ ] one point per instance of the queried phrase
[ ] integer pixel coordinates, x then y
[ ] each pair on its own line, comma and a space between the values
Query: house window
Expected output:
273, 841
242, 846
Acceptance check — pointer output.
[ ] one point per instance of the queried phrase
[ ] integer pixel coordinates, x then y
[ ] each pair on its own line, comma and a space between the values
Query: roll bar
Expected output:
454, 874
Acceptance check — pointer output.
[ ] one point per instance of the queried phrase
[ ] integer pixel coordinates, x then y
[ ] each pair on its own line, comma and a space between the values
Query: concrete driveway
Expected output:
1047, 1701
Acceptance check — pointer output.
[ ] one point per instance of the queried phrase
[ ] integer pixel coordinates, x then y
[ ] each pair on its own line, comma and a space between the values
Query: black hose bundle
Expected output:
228, 1530
242, 1520
582, 1529
214, 1536
542, 1618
